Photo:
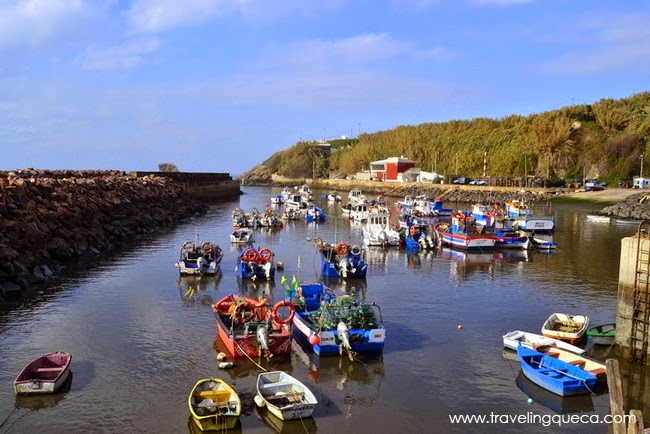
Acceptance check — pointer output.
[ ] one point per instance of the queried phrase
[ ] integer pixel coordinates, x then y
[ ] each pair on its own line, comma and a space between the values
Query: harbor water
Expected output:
141, 336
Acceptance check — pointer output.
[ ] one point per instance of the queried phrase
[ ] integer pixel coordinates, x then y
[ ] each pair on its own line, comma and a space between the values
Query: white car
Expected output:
478, 182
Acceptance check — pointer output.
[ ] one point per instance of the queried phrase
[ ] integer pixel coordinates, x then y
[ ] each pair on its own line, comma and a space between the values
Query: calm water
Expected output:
141, 336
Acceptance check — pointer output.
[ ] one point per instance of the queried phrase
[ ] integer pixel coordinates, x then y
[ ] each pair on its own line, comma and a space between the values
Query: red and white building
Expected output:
399, 169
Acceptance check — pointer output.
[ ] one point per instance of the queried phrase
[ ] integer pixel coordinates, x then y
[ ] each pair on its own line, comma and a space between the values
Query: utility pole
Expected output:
641, 172
456, 163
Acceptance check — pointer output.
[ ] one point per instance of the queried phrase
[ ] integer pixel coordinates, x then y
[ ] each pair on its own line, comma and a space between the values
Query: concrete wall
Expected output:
200, 184
626, 282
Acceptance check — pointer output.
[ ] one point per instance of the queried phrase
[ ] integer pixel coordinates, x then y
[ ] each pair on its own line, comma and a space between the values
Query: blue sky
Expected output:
220, 85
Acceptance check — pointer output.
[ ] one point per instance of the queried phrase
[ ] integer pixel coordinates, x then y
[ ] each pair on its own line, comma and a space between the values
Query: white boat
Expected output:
242, 236
284, 396
204, 258
511, 340
569, 328
278, 199
355, 196
296, 201
377, 231
357, 212
542, 243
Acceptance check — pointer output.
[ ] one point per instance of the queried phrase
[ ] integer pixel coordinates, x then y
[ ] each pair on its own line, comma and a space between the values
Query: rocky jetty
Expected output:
636, 207
50, 219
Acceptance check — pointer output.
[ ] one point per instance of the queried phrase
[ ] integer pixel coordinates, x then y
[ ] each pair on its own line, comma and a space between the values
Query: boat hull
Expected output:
362, 341
531, 340
225, 412
284, 396
568, 328
553, 374
602, 334
43, 375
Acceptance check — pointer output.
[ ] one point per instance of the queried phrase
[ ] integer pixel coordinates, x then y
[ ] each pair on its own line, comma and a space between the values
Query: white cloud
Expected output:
30, 23
154, 16
126, 56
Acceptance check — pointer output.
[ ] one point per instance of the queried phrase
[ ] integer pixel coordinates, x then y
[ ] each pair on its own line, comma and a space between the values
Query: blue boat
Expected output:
315, 214
341, 260
553, 374
257, 264
334, 325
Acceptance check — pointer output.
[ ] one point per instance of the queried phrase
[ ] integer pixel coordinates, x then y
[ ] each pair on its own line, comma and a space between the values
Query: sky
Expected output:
221, 85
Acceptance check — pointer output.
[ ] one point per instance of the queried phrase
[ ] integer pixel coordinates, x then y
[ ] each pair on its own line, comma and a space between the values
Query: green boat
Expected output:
602, 334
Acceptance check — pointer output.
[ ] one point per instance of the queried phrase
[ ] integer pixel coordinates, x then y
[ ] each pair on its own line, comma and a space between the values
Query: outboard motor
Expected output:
202, 264
263, 338
344, 336
382, 237
267, 269
343, 267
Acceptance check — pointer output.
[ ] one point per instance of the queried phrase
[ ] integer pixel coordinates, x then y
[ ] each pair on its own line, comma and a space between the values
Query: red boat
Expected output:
252, 328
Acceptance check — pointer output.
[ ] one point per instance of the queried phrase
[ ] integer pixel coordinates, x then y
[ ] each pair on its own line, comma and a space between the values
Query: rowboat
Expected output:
251, 328
590, 365
602, 334
284, 396
553, 374
565, 327
45, 374
204, 259
341, 260
531, 340
332, 324
214, 405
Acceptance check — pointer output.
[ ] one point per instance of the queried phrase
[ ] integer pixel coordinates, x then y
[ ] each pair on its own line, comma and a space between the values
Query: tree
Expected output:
167, 167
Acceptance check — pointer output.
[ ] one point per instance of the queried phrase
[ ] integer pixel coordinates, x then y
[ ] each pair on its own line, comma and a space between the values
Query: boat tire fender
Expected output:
189, 246
249, 255
206, 247
277, 307
265, 254
355, 250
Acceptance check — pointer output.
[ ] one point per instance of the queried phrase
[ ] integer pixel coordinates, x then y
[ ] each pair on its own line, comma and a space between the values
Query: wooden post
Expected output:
636, 425
615, 396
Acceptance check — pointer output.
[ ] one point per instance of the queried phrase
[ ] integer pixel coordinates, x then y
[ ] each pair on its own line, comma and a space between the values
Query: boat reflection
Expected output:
39, 401
306, 425
193, 429
365, 369
557, 403
256, 287
513, 256
464, 263
199, 289
353, 287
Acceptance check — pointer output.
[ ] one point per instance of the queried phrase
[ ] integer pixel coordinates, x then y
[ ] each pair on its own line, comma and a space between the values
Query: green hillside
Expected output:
604, 140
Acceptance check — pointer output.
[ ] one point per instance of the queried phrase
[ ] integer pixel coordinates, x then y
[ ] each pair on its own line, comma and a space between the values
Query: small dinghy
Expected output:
214, 405
284, 396
44, 374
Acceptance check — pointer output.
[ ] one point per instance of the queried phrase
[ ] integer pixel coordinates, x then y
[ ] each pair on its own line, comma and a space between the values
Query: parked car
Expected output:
478, 182
462, 180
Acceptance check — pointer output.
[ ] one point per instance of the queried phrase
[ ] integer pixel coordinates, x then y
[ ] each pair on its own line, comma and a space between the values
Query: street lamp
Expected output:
641, 171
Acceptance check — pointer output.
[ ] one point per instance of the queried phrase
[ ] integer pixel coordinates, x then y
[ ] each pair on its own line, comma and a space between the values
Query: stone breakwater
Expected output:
635, 207
50, 219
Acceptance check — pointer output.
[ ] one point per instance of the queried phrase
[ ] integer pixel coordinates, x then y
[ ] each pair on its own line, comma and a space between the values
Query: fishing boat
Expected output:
252, 328
214, 405
332, 324
202, 259
602, 334
531, 340
565, 327
278, 199
331, 197
594, 367
553, 374
341, 260
242, 236
256, 264
377, 231
523, 218
510, 239
284, 396
315, 214
45, 374
357, 212
463, 233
